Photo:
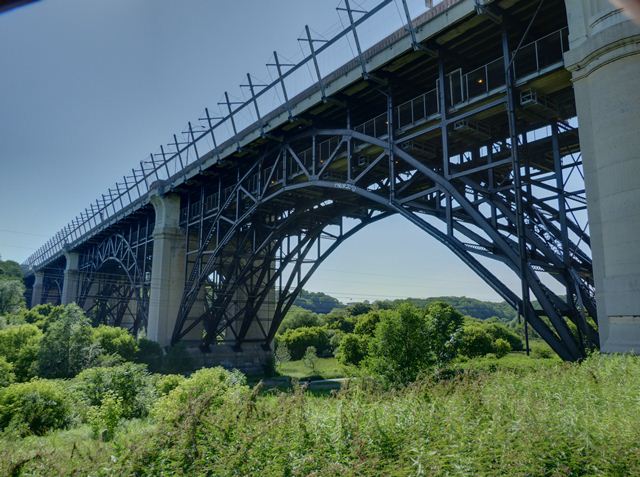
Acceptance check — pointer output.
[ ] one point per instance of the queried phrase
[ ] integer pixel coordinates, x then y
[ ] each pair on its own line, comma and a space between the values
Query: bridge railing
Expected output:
533, 58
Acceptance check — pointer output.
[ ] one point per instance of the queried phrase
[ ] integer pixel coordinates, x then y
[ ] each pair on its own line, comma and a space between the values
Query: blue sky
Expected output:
90, 87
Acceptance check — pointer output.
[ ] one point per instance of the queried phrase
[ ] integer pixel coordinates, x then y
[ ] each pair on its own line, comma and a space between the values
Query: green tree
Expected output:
20, 346
316, 302
7, 376
115, 340
400, 349
297, 318
65, 347
10, 270
310, 359
366, 324
500, 331
445, 323
353, 349
11, 296
298, 340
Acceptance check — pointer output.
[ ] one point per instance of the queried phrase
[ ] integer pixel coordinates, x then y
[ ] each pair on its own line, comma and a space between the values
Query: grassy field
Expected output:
553, 419
326, 368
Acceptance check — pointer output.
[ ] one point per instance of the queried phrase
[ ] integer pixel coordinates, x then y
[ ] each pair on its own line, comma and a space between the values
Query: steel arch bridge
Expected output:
473, 140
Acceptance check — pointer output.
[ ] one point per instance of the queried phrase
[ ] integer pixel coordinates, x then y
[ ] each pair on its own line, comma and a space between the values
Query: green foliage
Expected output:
359, 308
115, 340
130, 382
104, 419
340, 320
41, 315
482, 310
150, 353
178, 360
298, 318
282, 354
205, 390
316, 302
475, 340
540, 349
65, 349
298, 340
35, 407
7, 376
501, 347
500, 331
164, 384
11, 296
10, 270
444, 324
20, 346
366, 324
310, 359
400, 349
353, 349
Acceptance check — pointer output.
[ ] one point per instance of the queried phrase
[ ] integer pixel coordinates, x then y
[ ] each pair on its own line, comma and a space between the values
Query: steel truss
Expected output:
115, 276
489, 177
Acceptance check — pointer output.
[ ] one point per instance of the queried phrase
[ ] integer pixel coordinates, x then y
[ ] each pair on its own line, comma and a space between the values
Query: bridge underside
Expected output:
476, 147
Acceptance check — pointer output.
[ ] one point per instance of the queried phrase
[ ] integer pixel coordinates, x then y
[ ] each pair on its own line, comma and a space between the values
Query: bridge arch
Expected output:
258, 198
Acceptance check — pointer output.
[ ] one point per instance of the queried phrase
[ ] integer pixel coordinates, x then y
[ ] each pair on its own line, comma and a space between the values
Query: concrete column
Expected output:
36, 293
167, 268
604, 60
71, 278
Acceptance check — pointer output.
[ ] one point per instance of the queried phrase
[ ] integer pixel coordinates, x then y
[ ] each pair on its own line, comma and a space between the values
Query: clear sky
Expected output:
90, 87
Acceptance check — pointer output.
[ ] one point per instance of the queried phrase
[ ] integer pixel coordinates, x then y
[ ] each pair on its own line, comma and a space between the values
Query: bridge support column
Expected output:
167, 268
38, 285
604, 60
71, 278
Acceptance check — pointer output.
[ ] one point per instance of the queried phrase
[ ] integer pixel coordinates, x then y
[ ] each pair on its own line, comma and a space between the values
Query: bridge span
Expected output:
480, 122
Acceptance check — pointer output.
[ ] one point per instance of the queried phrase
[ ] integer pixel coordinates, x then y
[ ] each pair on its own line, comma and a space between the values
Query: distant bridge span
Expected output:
211, 240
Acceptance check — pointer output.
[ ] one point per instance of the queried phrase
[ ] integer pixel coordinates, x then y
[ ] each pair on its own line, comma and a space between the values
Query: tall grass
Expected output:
561, 420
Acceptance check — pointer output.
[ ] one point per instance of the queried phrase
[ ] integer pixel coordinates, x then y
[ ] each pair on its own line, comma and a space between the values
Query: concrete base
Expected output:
253, 359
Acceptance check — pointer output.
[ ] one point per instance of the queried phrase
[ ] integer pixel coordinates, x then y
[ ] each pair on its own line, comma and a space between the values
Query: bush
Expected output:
166, 383
353, 349
115, 340
475, 341
20, 346
150, 353
7, 376
501, 347
104, 419
129, 382
366, 324
35, 407
298, 340
400, 349
500, 331
65, 349
540, 349
206, 389
41, 315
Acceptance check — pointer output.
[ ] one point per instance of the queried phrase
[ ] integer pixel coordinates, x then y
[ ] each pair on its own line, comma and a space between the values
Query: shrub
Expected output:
400, 349
500, 331
130, 382
353, 349
501, 347
150, 353
115, 340
444, 323
20, 346
166, 383
104, 419
298, 340
310, 359
209, 387
475, 341
65, 349
7, 376
35, 407
540, 349
366, 324
41, 315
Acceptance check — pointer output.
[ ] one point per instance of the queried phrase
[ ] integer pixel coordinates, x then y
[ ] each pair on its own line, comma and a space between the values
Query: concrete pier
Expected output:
71, 278
604, 60
36, 293
167, 269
